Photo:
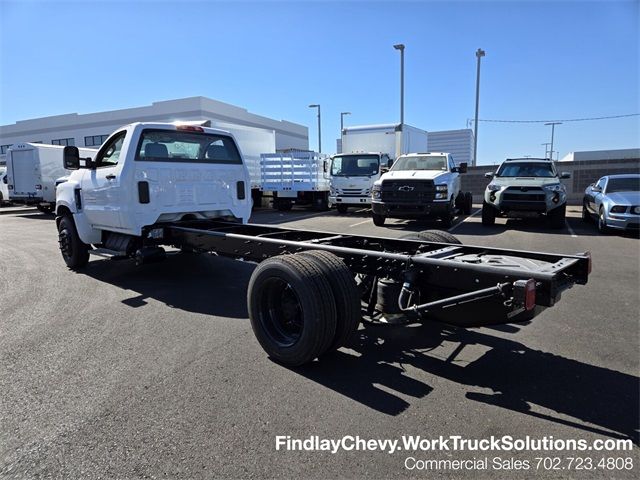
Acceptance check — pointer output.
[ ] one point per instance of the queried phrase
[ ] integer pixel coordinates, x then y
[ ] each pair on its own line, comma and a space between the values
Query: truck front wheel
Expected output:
378, 220
342, 208
557, 217
488, 215
74, 252
292, 309
468, 203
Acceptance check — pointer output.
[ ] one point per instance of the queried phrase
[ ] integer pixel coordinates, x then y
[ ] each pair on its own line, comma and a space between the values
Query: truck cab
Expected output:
351, 177
421, 185
147, 174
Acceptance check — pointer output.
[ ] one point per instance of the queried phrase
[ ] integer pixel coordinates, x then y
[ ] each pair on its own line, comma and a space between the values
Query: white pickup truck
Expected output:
421, 185
153, 185
145, 174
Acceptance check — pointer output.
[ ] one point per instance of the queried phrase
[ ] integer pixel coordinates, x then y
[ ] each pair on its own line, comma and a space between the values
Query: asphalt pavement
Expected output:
153, 372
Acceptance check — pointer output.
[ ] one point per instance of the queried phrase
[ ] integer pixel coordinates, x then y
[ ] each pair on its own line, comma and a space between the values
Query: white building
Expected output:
92, 129
620, 154
459, 143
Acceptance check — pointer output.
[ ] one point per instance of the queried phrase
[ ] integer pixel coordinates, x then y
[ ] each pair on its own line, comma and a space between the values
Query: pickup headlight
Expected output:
556, 187
441, 192
375, 192
492, 187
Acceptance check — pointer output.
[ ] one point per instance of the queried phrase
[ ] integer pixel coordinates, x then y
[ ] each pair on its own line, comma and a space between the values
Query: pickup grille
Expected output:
408, 191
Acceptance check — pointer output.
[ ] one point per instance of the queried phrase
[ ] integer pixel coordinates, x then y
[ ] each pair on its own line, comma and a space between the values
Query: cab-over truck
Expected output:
153, 186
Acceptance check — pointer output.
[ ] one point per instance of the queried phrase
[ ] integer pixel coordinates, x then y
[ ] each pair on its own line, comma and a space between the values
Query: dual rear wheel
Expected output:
302, 306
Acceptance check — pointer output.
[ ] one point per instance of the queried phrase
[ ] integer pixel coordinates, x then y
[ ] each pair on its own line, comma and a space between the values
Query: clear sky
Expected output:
545, 60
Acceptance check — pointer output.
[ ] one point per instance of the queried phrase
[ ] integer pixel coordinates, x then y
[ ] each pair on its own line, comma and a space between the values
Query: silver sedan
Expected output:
614, 201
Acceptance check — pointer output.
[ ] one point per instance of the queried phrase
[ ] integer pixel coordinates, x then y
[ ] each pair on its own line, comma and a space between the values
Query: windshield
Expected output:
355, 165
414, 162
628, 184
524, 169
187, 147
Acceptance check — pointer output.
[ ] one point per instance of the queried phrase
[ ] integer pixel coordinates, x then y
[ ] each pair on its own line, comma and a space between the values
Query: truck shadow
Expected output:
194, 283
531, 382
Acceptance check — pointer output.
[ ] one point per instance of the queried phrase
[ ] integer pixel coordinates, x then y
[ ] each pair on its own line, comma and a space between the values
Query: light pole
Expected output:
342, 114
553, 125
400, 47
546, 148
319, 127
479, 54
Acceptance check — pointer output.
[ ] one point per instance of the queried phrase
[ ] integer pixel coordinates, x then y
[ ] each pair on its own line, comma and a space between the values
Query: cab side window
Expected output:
109, 155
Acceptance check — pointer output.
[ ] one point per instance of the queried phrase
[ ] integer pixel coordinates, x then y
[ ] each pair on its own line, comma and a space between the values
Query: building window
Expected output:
63, 141
4, 148
95, 140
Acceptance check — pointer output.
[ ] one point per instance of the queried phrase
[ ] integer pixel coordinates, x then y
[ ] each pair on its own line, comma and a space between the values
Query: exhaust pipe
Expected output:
146, 255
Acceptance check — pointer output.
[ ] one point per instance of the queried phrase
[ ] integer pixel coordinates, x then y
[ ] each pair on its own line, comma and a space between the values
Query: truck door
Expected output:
101, 186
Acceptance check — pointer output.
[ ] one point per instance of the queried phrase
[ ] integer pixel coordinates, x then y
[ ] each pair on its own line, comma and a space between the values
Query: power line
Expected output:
561, 120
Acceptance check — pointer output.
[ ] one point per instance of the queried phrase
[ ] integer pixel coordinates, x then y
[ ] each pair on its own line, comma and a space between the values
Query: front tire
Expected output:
557, 217
602, 221
586, 216
342, 208
488, 215
292, 309
283, 204
74, 252
378, 220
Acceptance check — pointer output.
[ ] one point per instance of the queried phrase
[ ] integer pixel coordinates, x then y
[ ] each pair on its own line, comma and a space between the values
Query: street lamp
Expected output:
479, 54
400, 47
553, 125
546, 148
319, 127
342, 114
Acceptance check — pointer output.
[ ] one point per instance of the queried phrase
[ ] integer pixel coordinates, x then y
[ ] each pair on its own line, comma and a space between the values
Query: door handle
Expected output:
111, 176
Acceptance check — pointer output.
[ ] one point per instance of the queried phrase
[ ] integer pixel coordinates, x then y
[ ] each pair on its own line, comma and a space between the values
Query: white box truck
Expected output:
368, 152
32, 171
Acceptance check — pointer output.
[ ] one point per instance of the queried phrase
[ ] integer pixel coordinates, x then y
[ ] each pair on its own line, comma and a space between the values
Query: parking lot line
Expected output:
360, 223
467, 218
573, 234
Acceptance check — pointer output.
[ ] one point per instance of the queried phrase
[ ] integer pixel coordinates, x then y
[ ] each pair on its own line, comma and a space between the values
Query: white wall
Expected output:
46, 129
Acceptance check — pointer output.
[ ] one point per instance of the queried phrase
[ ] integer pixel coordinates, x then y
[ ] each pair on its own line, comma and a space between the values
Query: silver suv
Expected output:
525, 187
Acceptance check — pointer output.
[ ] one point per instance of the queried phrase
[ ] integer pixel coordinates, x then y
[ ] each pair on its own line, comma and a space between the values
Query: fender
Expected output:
66, 200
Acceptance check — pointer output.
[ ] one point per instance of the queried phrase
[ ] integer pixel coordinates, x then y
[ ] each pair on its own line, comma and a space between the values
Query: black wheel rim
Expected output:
66, 247
280, 312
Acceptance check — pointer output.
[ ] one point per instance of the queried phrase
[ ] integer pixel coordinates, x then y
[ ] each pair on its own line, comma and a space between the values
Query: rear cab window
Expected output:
157, 145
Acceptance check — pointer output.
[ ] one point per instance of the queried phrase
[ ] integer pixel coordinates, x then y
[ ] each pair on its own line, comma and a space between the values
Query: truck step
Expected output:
107, 253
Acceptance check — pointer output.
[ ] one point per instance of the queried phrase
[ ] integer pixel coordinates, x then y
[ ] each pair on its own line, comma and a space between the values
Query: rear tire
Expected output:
488, 215
345, 292
444, 237
557, 217
283, 204
46, 209
378, 220
321, 204
292, 309
74, 252
468, 203
342, 208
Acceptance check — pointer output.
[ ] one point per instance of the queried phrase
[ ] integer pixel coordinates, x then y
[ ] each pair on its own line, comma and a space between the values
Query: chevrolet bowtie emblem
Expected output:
405, 188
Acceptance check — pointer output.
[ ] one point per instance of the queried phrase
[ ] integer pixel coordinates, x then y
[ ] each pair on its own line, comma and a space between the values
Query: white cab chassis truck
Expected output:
155, 185
421, 185
353, 173
33, 170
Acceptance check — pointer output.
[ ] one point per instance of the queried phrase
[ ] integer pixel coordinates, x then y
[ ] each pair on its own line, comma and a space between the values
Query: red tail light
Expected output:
190, 128
524, 293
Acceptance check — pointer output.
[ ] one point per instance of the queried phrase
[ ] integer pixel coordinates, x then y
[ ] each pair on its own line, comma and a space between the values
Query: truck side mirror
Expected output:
390, 163
565, 175
71, 157
489, 174
325, 166
462, 168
